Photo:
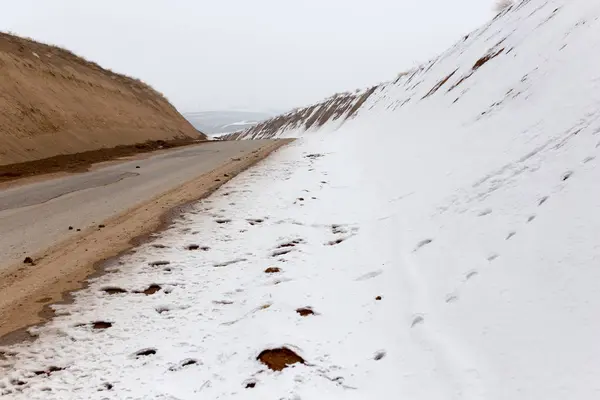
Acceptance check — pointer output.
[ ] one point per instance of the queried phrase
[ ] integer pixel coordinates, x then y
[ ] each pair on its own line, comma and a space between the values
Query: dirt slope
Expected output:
338, 107
53, 102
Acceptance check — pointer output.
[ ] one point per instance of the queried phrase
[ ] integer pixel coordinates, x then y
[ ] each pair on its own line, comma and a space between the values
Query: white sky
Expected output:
251, 54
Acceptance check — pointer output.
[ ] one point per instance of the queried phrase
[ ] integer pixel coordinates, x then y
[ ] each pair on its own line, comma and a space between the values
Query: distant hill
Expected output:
215, 123
55, 103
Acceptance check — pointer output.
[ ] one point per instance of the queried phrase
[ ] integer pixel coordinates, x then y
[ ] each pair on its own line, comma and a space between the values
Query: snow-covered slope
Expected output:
444, 239
527, 59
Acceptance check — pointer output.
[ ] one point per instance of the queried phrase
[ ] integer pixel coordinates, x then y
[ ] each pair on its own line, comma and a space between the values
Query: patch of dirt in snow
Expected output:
150, 290
279, 358
305, 311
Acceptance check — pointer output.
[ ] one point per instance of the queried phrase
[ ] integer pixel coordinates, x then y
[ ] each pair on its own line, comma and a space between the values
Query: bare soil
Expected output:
278, 359
53, 102
81, 162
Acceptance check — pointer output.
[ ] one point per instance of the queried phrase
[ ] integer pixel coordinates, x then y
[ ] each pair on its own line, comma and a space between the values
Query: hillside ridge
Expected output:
53, 102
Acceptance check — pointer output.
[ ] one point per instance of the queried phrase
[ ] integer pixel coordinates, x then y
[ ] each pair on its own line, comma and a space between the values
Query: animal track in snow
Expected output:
543, 200
588, 159
379, 355
530, 218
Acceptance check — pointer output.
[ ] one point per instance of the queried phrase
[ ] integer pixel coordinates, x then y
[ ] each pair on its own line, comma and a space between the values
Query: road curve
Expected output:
56, 221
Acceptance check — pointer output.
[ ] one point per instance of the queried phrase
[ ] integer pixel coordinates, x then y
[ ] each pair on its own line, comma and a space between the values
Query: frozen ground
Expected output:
447, 248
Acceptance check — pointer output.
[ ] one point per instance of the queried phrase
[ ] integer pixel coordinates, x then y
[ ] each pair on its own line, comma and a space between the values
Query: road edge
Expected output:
61, 270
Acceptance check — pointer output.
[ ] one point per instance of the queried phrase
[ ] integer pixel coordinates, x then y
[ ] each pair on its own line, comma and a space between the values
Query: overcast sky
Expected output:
251, 54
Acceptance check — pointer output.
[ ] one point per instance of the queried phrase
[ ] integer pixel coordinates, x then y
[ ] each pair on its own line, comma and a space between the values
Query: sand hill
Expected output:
53, 102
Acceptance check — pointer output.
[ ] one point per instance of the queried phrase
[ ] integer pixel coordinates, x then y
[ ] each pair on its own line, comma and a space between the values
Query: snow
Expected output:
477, 231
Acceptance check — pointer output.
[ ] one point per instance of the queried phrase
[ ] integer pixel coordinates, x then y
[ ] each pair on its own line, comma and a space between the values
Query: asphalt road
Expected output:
36, 216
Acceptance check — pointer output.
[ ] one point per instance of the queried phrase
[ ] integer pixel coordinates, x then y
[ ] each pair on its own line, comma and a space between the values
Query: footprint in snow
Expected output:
567, 175
113, 290
145, 352
530, 218
471, 274
543, 200
281, 252
510, 235
485, 212
292, 243
227, 263
451, 298
185, 363
369, 275
159, 263
417, 320
422, 243
492, 257
335, 242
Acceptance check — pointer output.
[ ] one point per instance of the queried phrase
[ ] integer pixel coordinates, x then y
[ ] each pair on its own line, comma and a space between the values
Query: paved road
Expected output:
36, 216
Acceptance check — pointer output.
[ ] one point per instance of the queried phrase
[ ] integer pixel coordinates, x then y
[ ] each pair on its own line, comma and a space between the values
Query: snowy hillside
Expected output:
442, 244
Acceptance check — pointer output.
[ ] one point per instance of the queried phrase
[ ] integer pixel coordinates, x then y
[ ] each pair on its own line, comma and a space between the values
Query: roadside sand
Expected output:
64, 268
